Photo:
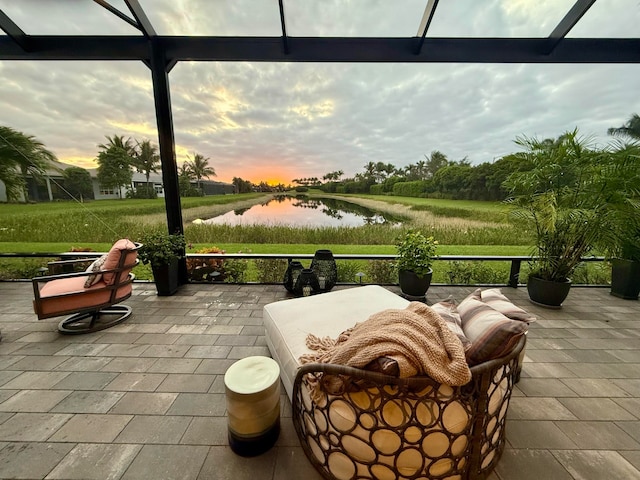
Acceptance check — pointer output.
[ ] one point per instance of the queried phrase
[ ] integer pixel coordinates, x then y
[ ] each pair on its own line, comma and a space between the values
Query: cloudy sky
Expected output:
279, 121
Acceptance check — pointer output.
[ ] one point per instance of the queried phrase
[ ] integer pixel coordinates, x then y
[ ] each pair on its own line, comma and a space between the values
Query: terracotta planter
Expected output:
413, 285
625, 279
166, 278
547, 293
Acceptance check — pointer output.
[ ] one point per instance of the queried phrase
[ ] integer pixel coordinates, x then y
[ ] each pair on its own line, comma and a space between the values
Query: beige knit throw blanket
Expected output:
416, 337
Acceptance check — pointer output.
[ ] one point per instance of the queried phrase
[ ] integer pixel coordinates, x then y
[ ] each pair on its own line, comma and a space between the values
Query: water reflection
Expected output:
304, 211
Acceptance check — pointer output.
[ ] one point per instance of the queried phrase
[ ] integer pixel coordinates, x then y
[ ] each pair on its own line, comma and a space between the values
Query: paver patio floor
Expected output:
145, 399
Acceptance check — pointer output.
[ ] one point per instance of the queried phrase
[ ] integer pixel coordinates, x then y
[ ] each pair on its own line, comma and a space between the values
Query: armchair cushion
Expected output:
68, 294
113, 257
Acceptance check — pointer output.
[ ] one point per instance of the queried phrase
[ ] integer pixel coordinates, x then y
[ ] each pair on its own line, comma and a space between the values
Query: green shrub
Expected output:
381, 272
270, 271
22, 268
598, 273
415, 252
235, 270
475, 272
376, 189
410, 189
160, 248
142, 191
347, 270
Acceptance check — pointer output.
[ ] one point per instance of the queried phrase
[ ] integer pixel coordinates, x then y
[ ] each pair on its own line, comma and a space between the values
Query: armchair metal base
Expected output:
88, 322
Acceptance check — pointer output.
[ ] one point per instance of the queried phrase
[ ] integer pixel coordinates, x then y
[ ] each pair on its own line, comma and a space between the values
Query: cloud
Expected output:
307, 119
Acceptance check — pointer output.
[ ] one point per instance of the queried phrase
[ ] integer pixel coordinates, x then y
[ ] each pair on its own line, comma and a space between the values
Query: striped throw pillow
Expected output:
496, 299
492, 334
448, 311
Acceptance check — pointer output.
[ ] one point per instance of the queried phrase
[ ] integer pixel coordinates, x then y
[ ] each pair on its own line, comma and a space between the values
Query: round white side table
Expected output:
252, 387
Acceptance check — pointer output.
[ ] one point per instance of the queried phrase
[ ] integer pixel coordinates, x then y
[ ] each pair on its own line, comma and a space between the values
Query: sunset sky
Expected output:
278, 121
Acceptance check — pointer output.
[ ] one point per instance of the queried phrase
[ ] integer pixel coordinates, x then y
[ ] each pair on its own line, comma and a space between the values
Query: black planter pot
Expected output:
166, 278
413, 285
547, 293
625, 279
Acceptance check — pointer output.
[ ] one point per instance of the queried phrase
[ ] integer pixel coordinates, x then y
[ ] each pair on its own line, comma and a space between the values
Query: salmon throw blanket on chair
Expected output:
416, 337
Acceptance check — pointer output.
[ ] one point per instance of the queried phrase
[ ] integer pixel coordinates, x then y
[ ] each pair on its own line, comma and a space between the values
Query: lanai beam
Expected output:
330, 49
567, 23
14, 32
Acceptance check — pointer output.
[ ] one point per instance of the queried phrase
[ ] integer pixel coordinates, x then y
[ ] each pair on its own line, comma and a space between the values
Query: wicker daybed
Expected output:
388, 427
379, 426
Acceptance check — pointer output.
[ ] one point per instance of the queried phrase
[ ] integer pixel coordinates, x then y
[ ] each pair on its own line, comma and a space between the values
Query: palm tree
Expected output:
184, 171
435, 162
200, 168
21, 155
115, 160
117, 142
370, 170
146, 159
631, 129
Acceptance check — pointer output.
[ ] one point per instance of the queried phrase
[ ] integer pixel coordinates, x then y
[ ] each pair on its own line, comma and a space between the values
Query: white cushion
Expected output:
288, 322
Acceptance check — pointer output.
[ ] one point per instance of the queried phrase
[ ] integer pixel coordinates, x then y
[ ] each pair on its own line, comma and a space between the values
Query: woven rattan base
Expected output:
381, 427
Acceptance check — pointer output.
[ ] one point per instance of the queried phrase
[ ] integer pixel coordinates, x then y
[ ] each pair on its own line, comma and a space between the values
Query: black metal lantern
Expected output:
291, 275
307, 283
324, 266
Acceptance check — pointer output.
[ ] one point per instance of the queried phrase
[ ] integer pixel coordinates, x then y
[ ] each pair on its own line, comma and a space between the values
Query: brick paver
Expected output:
145, 399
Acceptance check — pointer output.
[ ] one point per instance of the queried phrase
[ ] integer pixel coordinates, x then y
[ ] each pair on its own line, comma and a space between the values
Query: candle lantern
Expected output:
291, 275
324, 266
307, 283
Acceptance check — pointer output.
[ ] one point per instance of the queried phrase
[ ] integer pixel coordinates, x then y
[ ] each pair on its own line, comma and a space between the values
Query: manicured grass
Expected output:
97, 221
466, 209
22, 247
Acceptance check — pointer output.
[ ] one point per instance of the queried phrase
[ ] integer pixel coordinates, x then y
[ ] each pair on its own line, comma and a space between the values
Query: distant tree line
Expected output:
22, 156
438, 177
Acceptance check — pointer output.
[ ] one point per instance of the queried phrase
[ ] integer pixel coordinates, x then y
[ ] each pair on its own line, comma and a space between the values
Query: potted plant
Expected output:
621, 223
625, 269
415, 256
162, 251
557, 200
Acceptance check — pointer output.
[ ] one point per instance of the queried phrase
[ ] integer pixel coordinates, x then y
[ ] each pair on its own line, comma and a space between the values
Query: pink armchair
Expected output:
91, 296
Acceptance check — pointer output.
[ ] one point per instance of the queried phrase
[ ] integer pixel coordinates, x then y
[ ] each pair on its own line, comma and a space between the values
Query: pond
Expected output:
306, 212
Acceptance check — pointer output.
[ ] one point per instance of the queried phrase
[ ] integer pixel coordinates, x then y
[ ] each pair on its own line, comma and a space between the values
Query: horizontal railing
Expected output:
513, 280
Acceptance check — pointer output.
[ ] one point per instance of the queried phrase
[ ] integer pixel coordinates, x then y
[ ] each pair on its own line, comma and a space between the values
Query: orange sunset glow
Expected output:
272, 175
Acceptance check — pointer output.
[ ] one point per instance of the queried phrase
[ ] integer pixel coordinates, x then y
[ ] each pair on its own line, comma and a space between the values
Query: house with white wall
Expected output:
52, 187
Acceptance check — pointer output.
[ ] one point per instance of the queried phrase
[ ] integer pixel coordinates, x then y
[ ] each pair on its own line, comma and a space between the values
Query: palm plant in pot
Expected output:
415, 256
162, 251
625, 270
621, 224
557, 201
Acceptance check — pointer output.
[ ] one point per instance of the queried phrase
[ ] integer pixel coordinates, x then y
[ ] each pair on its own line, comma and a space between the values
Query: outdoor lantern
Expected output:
291, 274
306, 283
324, 266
